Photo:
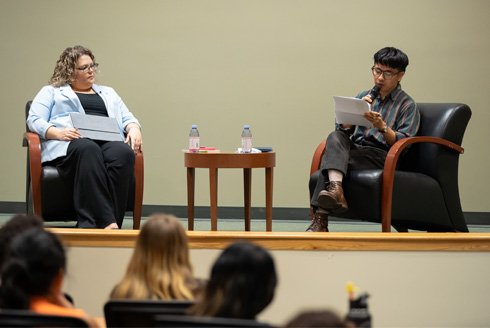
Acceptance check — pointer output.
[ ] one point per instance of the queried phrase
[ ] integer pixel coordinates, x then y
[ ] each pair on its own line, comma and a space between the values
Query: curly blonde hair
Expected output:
64, 72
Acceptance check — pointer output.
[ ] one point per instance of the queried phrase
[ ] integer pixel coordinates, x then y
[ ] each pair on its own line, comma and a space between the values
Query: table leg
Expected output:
247, 187
269, 177
213, 184
190, 197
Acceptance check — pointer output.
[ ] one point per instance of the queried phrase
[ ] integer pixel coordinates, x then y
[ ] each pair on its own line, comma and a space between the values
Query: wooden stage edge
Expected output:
334, 241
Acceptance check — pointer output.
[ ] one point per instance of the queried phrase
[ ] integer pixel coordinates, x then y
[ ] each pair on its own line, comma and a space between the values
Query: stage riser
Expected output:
415, 280
235, 212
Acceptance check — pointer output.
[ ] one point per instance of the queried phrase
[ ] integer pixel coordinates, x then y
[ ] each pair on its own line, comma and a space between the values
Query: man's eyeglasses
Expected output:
87, 68
388, 75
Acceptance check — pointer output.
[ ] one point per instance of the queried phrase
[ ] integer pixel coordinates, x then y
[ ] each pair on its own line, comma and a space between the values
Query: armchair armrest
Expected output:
389, 172
317, 157
31, 140
138, 190
315, 163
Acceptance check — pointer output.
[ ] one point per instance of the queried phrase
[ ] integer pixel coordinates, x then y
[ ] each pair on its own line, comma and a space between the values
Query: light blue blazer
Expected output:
51, 107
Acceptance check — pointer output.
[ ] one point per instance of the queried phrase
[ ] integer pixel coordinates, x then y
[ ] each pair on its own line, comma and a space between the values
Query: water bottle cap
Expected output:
246, 126
194, 126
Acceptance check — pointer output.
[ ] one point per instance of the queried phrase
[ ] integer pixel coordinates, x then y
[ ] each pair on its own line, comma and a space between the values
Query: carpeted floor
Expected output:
335, 225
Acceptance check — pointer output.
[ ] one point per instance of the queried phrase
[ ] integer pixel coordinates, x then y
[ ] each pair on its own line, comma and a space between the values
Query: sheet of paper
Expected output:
350, 110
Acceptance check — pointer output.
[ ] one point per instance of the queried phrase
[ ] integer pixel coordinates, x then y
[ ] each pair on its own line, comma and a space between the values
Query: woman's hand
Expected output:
134, 137
67, 134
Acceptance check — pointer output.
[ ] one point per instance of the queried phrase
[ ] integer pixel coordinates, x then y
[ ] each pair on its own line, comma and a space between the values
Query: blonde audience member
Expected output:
32, 276
159, 267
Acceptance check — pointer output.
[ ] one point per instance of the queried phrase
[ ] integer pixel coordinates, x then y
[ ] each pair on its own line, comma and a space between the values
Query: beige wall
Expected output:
407, 288
273, 64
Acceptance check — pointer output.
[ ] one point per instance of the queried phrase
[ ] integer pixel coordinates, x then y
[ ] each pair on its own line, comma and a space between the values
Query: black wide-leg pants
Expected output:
100, 173
343, 155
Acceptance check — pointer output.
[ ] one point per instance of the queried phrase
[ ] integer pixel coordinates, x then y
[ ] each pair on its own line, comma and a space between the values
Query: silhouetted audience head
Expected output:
159, 267
317, 318
35, 259
12, 228
242, 283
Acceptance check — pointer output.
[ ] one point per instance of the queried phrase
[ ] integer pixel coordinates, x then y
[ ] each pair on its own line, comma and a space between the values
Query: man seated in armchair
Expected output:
394, 116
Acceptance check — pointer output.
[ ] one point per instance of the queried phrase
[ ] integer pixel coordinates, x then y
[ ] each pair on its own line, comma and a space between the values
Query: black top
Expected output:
92, 103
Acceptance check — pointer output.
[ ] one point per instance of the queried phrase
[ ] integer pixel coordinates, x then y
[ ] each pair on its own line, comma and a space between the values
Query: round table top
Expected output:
230, 160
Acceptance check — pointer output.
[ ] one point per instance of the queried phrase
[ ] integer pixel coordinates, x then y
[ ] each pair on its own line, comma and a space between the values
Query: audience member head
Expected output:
35, 265
64, 72
159, 267
12, 228
241, 285
316, 318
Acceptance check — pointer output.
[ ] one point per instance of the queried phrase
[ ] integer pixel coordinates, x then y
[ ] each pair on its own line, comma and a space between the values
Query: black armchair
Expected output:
419, 189
141, 313
47, 195
197, 322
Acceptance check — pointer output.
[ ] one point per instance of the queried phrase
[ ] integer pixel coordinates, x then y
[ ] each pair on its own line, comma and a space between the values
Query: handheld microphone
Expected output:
374, 93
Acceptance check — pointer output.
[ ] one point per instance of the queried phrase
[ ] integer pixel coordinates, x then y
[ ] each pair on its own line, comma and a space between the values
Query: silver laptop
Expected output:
96, 127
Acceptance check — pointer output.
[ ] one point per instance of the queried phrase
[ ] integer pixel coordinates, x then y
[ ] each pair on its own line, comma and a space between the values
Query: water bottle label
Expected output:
194, 143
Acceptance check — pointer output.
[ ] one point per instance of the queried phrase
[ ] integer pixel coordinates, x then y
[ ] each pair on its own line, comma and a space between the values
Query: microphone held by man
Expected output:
373, 93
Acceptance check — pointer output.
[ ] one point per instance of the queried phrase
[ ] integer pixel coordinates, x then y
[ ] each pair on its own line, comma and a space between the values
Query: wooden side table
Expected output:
215, 161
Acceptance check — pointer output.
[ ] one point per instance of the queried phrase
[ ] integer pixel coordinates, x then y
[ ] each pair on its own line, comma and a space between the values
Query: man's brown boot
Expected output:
332, 199
319, 222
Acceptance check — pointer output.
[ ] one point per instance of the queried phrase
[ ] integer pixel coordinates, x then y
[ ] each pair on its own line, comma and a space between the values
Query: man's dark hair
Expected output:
391, 57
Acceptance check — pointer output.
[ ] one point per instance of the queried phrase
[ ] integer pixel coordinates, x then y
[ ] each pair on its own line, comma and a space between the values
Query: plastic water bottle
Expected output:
246, 139
194, 139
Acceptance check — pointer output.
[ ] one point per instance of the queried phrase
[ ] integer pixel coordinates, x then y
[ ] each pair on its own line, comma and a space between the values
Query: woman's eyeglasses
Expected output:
87, 68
